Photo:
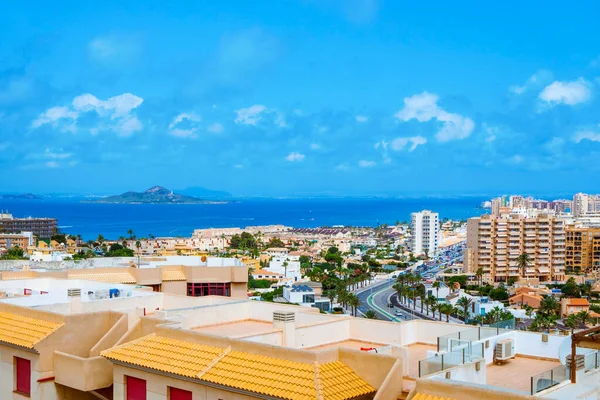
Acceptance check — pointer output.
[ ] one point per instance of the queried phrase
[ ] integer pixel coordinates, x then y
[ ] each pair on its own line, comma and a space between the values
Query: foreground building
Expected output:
495, 243
78, 339
424, 233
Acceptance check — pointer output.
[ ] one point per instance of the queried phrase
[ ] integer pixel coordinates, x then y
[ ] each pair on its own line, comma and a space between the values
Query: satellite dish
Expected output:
564, 350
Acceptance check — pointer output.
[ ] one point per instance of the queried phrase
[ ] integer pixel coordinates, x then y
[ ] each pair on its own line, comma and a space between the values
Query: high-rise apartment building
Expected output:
585, 204
41, 227
582, 250
424, 231
495, 244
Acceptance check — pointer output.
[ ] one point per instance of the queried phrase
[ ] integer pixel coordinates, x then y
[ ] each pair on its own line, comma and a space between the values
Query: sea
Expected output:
173, 220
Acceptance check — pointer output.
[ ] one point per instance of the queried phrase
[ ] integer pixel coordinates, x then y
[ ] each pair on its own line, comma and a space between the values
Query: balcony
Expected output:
83, 374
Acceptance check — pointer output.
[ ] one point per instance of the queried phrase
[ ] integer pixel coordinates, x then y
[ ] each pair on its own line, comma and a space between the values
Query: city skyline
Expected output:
355, 98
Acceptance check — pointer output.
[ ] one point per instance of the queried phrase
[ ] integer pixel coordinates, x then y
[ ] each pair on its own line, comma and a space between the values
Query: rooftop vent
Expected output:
73, 292
284, 316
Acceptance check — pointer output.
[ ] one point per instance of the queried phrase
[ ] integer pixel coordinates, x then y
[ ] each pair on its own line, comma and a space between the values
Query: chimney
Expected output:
286, 321
74, 295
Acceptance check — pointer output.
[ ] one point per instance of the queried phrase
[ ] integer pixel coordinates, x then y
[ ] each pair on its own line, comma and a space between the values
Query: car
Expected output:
398, 313
390, 305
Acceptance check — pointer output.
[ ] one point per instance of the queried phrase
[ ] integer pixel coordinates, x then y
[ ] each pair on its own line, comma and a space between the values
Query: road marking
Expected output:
375, 306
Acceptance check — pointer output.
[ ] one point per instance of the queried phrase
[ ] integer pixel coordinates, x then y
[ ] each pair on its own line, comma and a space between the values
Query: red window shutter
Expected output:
136, 388
23, 375
179, 394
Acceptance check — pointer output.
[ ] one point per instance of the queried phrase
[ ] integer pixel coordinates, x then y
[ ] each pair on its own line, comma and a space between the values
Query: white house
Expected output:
305, 296
288, 266
277, 251
484, 305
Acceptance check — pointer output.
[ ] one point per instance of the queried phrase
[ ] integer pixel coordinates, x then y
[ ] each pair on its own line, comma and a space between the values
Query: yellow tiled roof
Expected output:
255, 373
423, 396
105, 277
176, 275
166, 355
340, 382
24, 331
266, 375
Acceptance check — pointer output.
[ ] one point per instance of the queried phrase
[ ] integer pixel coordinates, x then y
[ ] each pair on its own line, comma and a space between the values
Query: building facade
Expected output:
582, 250
495, 244
43, 228
22, 240
424, 231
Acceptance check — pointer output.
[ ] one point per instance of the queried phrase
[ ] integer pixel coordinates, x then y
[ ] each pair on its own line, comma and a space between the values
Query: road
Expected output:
379, 295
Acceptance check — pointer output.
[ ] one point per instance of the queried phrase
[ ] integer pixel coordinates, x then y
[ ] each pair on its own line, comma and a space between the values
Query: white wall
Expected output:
273, 338
530, 343
464, 373
328, 332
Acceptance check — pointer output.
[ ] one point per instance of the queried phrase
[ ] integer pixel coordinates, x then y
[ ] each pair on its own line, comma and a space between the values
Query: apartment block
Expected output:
41, 227
585, 204
424, 230
495, 243
582, 250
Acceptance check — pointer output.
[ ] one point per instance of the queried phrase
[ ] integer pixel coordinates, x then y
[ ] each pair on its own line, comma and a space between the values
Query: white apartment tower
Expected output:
424, 233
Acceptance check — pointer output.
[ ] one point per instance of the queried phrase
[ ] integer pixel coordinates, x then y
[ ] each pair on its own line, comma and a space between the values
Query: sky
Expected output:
300, 97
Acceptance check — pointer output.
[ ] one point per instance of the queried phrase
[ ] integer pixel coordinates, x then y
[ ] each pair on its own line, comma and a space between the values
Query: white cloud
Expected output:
569, 93
117, 112
341, 167
362, 118
366, 163
254, 114
492, 132
294, 156
322, 129
315, 146
541, 77
215, 128
516, 159
238, 166
423, 107
381, 145
52, 164
101, 48
587, 134
184, 125
414, 141
56, 155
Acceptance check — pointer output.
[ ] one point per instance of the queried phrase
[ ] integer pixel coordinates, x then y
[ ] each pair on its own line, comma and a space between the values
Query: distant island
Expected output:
154, 195
24, 196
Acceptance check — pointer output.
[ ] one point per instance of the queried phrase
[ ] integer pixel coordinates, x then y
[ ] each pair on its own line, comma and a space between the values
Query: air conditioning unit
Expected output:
73, 292
579, 361
505, 350
91, 295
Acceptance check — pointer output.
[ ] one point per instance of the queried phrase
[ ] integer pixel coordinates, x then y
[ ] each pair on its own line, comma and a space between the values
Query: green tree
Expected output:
572, 322
465, 303
275, 242
549, 307
523, 261
370, 314
60, 238
445, 309
583, 317
500, 293
117, 250
437, 285
100, 239
14, 253
429, 302
479, 274
354, 302
130, 233
243, 241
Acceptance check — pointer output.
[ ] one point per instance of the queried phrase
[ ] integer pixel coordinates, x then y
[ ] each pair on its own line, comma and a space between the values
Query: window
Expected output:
308, 298
179, 394
23, 376
209, 289
135, 388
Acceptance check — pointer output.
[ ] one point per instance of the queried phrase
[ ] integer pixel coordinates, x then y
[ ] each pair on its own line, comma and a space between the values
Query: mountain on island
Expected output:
154, 195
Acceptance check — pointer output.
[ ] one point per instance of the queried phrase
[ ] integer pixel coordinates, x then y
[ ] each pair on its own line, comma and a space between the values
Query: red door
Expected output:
136, 388
23, 376
179, 394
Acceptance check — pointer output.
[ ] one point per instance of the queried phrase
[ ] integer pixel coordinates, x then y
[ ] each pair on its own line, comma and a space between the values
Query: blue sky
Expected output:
300, 97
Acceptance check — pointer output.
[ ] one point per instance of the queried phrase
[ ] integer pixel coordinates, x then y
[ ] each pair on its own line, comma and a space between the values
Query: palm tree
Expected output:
465, 302
354, 302
434, 307
370, 314
446, 309
583, 317
479, 274
100, 239
571, 322
548, 307
437, 285
523, 261
429, 301
422, 293
130, 233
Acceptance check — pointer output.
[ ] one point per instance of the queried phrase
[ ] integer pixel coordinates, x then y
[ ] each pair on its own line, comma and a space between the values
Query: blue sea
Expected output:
114, 220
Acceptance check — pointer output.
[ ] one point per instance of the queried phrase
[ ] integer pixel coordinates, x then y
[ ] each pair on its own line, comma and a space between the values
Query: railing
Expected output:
445, 361
474, 334
549, 379
591, 361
